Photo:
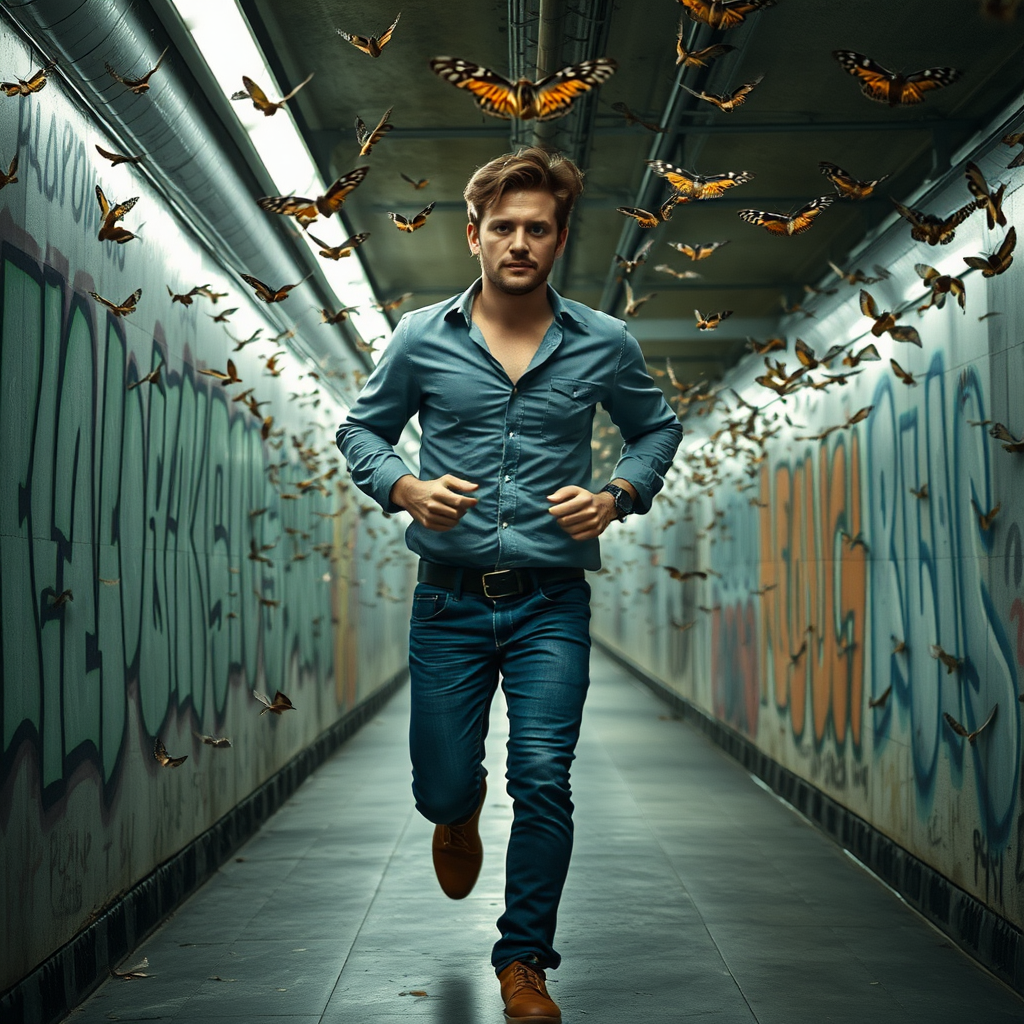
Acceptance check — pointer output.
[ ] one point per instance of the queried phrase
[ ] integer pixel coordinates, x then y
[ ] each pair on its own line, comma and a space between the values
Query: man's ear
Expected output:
473, 237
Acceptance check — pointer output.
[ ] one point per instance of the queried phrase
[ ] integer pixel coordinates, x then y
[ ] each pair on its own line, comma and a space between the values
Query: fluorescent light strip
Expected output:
225, 40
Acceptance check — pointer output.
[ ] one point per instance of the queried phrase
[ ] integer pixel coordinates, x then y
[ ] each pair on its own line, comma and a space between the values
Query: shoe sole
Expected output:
532, 1020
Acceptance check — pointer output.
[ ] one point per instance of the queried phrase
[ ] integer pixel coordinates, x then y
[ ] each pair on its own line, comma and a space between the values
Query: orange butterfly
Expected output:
259, 98
417, 183
698, 58
998, 261
371, 44
166, 761
109, 229
338, 252
117, 158
230, 377
701, 251
11, 176
991, 202
305, 210
795, 223
730, 101
712, 320
126, 307
904, 376
267, 294
926, 227
403, 224
366, 138
846, 185
141, 84
698, 186
545, 100
884, 86
34, 84
723, 14
643, 217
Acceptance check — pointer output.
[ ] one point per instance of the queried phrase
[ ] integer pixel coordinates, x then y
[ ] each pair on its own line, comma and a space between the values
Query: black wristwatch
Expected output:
623, 502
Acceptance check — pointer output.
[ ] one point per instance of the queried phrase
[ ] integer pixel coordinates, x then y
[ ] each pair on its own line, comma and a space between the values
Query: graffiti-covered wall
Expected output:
170, 540
859, 608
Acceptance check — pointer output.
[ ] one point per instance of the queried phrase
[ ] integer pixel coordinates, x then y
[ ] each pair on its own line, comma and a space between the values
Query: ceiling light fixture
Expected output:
226, 43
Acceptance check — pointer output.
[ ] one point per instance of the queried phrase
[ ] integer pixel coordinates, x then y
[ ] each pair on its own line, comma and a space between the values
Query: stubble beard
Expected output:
504, 281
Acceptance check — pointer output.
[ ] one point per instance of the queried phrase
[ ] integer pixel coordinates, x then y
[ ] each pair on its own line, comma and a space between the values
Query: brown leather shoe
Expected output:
526, 997
458, 853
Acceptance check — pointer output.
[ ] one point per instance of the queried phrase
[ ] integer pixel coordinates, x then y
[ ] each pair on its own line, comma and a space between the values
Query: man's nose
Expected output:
519, 240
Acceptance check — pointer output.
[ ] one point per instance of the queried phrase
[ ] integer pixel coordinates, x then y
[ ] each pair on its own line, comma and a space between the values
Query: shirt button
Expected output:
507, 478
504, 526
511, 433
515, 391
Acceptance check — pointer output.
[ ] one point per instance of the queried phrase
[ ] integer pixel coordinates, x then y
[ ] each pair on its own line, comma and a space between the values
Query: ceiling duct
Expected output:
199, 157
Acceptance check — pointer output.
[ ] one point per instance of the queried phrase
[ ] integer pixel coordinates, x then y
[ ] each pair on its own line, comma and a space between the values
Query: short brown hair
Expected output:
530, 168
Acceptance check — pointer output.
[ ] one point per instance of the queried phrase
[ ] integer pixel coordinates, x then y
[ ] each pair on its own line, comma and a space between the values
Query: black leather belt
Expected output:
493, 583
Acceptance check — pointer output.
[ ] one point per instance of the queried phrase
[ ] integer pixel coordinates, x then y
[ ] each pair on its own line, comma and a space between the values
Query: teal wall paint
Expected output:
153, 487
926, 574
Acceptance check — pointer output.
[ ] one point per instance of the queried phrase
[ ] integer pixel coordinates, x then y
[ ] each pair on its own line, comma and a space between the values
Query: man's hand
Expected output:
581, 513
435, 504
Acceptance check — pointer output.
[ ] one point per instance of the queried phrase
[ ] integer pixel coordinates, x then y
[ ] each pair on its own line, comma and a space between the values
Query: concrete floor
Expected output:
693, 894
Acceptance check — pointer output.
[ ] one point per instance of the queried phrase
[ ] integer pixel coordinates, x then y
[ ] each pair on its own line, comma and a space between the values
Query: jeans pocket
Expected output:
427, 606
572, 590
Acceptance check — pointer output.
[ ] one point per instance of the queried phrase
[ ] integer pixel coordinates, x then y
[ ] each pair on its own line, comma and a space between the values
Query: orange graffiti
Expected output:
819, 590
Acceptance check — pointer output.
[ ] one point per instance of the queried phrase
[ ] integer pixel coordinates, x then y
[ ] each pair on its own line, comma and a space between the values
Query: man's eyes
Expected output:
537, 229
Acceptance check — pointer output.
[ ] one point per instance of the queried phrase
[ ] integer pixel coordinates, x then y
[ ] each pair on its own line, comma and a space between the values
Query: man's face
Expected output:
518, 241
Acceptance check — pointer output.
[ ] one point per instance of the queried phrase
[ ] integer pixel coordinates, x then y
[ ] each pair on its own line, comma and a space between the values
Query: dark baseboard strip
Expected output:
993, 941
61, 982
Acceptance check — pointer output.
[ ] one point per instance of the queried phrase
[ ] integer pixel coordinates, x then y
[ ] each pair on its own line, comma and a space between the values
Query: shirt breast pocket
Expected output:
569, 412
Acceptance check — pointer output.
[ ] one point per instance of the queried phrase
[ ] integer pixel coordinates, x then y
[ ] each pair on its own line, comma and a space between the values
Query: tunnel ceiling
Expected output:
806, 110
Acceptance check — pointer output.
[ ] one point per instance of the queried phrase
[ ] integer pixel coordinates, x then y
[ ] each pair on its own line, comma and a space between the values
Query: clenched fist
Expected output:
435, 504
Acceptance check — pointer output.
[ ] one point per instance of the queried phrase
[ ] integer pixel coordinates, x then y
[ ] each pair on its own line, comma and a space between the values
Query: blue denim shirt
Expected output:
519, 442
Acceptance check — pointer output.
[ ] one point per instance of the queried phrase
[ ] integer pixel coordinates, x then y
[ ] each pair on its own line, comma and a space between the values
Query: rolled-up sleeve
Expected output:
390, 398
650, 430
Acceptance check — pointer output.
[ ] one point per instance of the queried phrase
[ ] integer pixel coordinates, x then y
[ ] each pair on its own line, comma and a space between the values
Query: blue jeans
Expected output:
540, 642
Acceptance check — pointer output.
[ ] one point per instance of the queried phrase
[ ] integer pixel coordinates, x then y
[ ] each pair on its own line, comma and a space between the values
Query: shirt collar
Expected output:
462, 305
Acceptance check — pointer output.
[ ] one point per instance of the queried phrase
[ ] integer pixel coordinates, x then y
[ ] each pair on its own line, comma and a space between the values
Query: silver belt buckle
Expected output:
496, 572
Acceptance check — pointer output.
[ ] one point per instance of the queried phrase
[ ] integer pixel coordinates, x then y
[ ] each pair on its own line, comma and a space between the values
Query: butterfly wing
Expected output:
370, 139
400, 222
1005, 251
37, 81
775, 223
554, 96
106, 302
905, 334
128, 306
102, 200
867, 304
262, 291
256, 94
875, 81
494, 95
385, 36
916, 85
359, 42
682, 181
305, 81
122, 208
330, 202
642, 217
805, 216
289, 206
421, 218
